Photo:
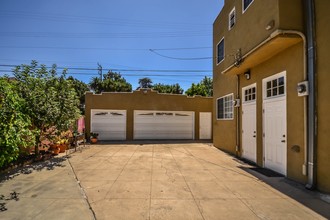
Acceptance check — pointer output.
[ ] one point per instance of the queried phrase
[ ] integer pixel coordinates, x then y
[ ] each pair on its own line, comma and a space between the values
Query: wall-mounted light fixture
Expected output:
247, 75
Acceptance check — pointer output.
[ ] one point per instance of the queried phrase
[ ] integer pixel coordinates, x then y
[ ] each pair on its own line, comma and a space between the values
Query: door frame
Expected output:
266, 100
246, 103
210, 122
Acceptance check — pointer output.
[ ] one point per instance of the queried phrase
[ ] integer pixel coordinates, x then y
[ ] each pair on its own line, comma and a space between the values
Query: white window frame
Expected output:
243, 10
217, 52
230, 107
254, 85
233, 11
270, 79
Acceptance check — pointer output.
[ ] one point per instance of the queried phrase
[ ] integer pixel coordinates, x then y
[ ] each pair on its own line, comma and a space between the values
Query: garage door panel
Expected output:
163, 125
109, 124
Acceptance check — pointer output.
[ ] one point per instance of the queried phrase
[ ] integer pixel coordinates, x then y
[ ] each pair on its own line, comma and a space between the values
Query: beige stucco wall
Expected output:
249, 32
138, 100
250, 28
224, 135
323, 84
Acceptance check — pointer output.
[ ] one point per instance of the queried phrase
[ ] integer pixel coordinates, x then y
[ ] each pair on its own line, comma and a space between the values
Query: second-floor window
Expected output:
246, 4
221, 51
232, 18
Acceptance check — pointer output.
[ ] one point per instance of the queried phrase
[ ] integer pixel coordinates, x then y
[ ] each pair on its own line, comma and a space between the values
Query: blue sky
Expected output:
145, 38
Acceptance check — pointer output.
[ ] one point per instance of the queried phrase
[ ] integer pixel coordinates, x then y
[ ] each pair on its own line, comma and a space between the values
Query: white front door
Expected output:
274, 123
249, 119
205, 125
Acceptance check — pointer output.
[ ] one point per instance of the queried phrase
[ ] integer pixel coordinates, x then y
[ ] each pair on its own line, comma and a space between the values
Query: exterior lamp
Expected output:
247, 75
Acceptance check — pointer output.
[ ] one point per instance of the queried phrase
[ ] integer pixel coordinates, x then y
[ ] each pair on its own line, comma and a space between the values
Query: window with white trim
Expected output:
232, 19
225, 107
246, 4
275, 87
250, 94
221, 51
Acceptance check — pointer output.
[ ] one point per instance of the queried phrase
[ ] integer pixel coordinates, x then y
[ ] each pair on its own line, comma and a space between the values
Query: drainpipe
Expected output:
312, 110
237, 118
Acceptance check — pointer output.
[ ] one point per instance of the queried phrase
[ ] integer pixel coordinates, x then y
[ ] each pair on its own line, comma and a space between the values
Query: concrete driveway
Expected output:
182, 181
156, 181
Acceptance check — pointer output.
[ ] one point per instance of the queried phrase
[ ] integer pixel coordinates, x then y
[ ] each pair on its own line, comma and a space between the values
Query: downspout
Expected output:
312, 110
237, 117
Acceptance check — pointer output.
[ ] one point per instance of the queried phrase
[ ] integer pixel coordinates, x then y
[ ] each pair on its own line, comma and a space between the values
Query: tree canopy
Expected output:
111, 82
164, 88
50, 100
145, 83
81, 88
203, 88
14, 124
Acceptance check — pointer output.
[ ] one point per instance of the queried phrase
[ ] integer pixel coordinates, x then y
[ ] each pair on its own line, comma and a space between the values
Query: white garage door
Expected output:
110, 124
163, 125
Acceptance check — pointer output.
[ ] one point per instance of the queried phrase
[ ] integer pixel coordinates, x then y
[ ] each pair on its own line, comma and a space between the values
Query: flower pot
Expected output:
63, 147
93, 140
55, 149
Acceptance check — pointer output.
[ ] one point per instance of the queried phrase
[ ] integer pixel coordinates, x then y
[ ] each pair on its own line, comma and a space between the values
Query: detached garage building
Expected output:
145, 114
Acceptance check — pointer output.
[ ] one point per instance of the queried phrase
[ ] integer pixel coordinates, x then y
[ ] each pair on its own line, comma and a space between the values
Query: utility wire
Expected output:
119, 70
180, 58
122, 70
192, 33
98, 20
101, 48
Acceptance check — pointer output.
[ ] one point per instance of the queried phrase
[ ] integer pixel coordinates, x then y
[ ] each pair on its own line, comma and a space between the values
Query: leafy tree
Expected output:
164, 88
203, 88
145, 83
14, 124
51, 100
112, 82
80, 88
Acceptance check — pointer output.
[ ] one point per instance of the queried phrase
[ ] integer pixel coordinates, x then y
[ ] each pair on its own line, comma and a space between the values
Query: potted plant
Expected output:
93, 137
55, 149
63, 145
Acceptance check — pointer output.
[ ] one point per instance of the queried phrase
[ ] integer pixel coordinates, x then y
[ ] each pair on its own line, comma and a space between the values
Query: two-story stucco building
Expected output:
271, 78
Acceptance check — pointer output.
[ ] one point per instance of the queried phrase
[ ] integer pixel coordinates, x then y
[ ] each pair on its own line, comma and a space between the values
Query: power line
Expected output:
100, 48
120, 70
193, 33
99, 20
180, 58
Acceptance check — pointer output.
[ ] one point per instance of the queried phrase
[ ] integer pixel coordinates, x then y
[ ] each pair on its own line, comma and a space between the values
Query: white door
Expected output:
110, 124
249, 122
163, 125
274, 123
205, 125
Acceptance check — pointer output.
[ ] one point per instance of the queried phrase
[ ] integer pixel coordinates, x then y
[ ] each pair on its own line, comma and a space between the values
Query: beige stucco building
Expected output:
145, 114
270, 92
